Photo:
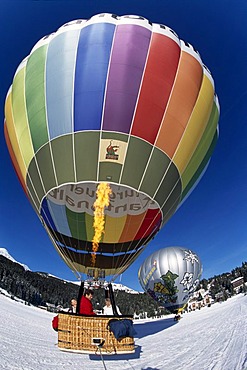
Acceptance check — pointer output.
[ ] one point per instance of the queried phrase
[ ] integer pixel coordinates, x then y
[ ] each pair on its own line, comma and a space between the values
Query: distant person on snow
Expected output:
177, 317
86, 307
107, 309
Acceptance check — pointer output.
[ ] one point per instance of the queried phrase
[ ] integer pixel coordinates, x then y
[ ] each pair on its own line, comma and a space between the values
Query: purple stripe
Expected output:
126, 68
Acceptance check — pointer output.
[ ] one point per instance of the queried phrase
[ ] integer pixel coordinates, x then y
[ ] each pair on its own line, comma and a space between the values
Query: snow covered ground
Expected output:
213, 338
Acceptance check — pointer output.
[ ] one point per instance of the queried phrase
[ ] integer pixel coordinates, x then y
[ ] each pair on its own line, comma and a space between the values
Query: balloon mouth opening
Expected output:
129, 221
135, 214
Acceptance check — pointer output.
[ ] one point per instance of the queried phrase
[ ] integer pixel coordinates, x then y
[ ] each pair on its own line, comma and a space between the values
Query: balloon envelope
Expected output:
117, 100
170, 276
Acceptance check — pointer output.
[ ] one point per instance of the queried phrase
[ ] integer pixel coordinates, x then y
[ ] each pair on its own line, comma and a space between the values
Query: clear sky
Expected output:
212, 222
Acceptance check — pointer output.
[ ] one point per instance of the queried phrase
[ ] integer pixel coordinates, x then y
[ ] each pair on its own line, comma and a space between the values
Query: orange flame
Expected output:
102, 200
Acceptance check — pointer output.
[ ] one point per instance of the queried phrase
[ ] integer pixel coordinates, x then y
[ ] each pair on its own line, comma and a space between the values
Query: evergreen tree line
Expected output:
40, 289
221, 287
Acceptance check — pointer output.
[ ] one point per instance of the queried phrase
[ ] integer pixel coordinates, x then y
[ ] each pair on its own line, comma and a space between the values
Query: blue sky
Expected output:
212, 221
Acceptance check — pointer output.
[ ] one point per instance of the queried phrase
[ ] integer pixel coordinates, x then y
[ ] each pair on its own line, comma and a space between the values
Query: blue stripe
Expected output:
60, 68
90, 76
58, 213
45, 213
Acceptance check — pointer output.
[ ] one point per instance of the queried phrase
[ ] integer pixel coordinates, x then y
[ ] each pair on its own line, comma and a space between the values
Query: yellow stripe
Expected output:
196, 125
20, 116
113, 228
202, 148
12, 135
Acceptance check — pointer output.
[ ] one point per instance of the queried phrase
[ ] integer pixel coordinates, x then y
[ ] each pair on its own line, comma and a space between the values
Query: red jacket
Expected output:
86, 307
55, 323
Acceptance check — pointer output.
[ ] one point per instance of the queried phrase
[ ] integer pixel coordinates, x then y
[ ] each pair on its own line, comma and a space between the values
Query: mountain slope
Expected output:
5, 253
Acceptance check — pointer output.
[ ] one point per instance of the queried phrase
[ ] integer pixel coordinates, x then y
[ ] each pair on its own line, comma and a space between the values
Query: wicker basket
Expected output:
84, 334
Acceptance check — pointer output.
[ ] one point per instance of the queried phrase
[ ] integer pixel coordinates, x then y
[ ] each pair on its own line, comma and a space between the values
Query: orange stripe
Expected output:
13, 158
131, 227
186, 88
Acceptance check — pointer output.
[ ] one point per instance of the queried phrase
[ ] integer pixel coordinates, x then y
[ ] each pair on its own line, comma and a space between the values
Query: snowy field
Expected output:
213, 338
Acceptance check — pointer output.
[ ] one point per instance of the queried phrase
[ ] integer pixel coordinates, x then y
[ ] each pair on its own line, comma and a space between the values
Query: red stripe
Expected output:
156, 87
152, 219
13, 159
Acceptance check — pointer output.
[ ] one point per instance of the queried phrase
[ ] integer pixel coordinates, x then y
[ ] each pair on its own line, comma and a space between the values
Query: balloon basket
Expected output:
86, 334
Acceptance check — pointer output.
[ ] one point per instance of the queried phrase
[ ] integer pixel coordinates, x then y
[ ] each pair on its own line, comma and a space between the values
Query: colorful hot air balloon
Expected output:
170, 276
114, 100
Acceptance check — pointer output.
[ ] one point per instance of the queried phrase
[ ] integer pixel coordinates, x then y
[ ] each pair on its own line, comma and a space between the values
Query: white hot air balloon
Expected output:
170, 276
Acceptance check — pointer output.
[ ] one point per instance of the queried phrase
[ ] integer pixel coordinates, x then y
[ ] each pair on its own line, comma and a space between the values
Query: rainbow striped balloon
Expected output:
117, 100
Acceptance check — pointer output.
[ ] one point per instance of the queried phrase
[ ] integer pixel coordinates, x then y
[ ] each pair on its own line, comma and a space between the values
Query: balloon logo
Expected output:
170, 276
113, 100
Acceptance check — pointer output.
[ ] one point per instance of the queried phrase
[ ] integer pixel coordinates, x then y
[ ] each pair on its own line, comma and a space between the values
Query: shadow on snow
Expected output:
152, 327
143, 330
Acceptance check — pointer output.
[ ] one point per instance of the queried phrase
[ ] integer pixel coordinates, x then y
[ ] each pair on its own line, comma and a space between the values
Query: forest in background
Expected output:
42, 289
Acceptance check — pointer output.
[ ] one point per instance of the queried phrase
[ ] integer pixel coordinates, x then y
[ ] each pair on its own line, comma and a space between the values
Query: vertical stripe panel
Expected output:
131, 227
33, 194
60, 68
34, 184
62, 152
151, 221
20, 116
77, 224
156, 87
86, 147
14, 161
136, 160
154, 172
89, 227
15, 148
128, 59
181, 104
113, 228
197, 175
45, 168
59, 216
35, 97
90, 76
202, 148
46, 215
196, 125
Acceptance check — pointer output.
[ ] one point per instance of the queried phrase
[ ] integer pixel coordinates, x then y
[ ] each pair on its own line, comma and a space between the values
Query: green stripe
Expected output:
137, 156
77, 225
44, 162
172, 203
20, 116
169, 190
157, 166
35, 97
33, 197
109, 171
86, 155
202, 148
62, 151
202, 165
37, 185
114, 136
